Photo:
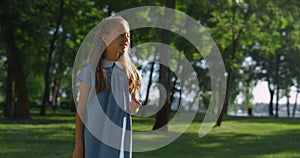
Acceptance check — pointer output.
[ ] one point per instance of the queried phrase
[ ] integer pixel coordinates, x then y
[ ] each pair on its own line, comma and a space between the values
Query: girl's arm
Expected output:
80, 114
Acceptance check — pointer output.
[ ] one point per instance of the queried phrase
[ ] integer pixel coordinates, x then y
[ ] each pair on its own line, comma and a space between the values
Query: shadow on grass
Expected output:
37, 142
230, 145
59, 117
53, 136
248, 145
35, 121
227, 142
42, 136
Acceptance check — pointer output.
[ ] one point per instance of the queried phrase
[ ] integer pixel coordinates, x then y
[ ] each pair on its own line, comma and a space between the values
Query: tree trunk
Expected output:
149, 83
17, 84
55, 92
226, 101
22, 108
46, 97
295, 104
174, 89
236, 34
10, 86
109, 10
162, 116
271, 99
179, 101
277, 84
277, 102
230, 71
288, 102
249, 111
10, 89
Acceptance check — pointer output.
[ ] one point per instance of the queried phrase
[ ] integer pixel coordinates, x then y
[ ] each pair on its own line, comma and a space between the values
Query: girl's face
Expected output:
118, 41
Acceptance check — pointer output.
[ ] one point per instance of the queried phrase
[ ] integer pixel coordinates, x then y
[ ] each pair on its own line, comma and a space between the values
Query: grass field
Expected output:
238, 137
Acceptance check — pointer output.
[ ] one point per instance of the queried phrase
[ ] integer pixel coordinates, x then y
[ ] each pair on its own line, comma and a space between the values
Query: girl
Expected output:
110, 82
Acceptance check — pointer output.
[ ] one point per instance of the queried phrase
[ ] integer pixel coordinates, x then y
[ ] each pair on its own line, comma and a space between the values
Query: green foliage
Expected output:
35, 87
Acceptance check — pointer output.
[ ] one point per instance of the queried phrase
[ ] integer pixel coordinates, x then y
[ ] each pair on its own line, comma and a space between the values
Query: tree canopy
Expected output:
258, 40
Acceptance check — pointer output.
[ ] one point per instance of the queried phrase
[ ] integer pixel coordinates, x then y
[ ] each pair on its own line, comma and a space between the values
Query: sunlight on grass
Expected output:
239, 137
50, 136
280, 155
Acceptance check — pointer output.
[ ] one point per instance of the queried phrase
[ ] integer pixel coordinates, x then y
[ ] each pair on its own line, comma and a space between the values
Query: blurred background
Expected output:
258, 40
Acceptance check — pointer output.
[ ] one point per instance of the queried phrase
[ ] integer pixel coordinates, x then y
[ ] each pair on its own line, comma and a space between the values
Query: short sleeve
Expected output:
87, 75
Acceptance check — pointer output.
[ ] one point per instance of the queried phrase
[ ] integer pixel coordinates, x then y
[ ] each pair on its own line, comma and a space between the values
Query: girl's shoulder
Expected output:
90, 68
87, 74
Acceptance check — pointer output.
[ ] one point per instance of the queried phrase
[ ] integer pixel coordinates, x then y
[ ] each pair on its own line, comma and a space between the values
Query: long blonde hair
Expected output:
97, 56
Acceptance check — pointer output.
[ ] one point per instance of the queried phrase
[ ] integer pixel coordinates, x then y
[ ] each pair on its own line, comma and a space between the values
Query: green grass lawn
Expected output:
238, 137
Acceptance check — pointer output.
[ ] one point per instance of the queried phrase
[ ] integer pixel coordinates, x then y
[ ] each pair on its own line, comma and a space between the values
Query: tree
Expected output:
52, 44
238, 17
16, 27
162, 117
277, 22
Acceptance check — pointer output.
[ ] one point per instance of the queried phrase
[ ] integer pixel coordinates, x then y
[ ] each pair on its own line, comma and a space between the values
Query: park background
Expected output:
258, 40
